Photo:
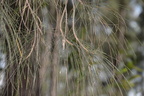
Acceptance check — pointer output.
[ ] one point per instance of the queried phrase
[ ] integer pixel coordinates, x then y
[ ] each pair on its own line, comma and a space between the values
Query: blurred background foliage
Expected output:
72, 48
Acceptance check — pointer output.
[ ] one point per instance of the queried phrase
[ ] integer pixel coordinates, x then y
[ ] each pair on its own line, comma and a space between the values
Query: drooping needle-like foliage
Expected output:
63, 48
